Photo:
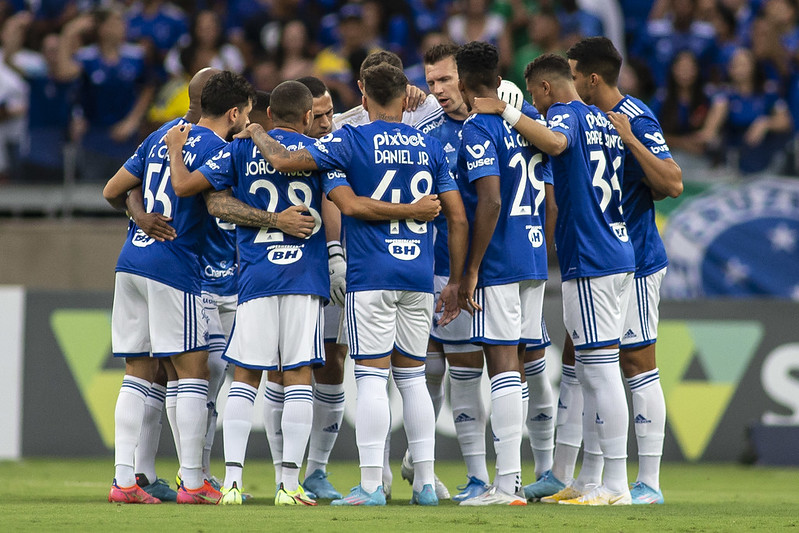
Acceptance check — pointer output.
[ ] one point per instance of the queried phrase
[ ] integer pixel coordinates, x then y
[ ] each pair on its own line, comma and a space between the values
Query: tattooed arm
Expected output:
277, 155
292, 221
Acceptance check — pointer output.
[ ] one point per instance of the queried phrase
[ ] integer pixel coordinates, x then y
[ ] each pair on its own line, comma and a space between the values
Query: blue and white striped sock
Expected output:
469, 415
506, 423
328, 414
649, 418
128, 417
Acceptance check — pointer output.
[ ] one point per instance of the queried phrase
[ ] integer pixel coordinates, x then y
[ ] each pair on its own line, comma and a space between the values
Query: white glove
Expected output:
510, 93
337, 268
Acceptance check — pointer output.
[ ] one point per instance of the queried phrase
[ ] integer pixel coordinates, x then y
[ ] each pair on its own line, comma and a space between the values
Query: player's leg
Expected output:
640, 370
274, 396
328, 409
594, 309
370, 322
217, 340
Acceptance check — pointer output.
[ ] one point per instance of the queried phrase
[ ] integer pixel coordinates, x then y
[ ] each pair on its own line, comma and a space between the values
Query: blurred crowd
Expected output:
90, 78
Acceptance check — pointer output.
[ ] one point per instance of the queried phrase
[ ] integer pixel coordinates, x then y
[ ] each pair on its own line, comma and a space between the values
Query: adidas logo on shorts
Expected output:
599, 420
629, 334
575, 335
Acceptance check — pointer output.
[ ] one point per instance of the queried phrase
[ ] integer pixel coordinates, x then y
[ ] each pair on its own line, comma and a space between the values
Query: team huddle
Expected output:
413, 233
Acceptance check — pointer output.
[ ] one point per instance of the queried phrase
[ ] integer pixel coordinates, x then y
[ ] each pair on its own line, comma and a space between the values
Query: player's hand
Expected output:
488, 106
621, 122
156, 226
448, 302
415, 97
177, 135
466, 293
294, 222
337, 268
250, 131
427, 208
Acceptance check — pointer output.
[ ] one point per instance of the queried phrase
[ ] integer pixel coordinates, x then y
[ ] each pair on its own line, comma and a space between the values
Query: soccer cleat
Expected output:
473, 487
566, 493
387, 490
214, 482
494, 496
296, 497
601, 496
204, 495
358, 496
643, 494
407, 473
318, 484
134, 494
427, 496
231, 496
546, 485
158, 489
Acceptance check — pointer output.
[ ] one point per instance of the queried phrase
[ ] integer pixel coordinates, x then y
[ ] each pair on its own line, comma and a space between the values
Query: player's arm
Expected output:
291, 221
281, 159
154, 225
546, 140
551, 210
184, 183
486, 214
336, 262
458, 243
365, 208
663, 176
116, 190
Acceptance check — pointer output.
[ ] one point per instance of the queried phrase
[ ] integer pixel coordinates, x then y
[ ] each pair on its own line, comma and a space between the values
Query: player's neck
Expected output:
387, 114
567, 94
217, 125
608, 98
285, 126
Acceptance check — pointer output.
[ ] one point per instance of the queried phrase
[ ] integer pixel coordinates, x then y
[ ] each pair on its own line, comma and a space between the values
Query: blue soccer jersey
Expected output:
590, 233
448, 131
271, 262
218, 258
396, 163
517, 250
175, 263
639, 208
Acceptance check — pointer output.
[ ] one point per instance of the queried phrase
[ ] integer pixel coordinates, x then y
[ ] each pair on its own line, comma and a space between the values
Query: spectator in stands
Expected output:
543, 33
296, 53
772, 57
727, 41
204, 46
157, 26
576, 23
265, 75
478, 23
256, 27
682, 105
750, 121
114, 90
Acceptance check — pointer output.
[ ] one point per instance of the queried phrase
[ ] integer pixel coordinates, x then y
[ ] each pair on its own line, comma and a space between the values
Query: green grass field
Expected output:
70, 495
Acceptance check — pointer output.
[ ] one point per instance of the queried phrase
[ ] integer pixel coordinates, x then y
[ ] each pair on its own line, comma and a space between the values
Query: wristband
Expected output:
511, 115
334, 248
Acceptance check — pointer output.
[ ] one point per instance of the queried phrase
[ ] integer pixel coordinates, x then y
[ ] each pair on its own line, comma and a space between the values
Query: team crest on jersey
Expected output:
285, 254
620, 230
141, 239
404, 249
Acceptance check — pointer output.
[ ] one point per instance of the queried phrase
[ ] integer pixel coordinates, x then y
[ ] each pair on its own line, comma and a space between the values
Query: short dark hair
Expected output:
261, 101
380, 56
597, 55
383, 83
548, 65
439, 52
224, 91
315, 85
478, 64
290, 101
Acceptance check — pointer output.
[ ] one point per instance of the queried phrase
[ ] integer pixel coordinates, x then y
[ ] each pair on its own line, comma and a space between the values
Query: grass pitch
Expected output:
70, 495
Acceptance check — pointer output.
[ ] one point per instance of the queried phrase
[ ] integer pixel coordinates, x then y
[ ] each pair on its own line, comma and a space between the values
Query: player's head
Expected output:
196, 85
478, 69
544, 76
259, 113
290, 105
384, 84
229, 96
441, 73
322, 123
594, 62
380, 56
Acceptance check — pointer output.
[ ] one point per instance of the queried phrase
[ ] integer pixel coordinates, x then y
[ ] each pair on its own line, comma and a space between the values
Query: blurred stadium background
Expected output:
722, 75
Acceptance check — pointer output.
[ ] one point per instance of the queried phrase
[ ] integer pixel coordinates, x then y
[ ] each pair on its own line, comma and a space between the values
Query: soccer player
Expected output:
650, 173
389, 272
502, 178
596, 262
157, 304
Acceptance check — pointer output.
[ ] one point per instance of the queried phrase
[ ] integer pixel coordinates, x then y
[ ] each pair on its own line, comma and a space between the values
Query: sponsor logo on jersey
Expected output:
222, 272
404, 249
398, 139
284, 254
430, 126
557, 121
535, 234
141, 239
477, 151
657, 137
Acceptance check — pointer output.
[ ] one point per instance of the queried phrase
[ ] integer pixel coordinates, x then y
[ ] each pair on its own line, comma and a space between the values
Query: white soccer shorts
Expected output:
280, 332
221, 311
456, 336
511, 313
545, 340
149, 317
334, 324
379, 321
594, 308
641, 322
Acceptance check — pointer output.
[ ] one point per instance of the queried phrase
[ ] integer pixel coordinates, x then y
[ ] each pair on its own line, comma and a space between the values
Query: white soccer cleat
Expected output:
494, 496
601, 496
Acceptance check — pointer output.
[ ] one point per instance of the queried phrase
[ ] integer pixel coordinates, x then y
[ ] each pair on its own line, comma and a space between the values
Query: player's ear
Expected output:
364, 102
546, 86
233, 114
404, 103
269, 113
360, 87
308, 118
499, 81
